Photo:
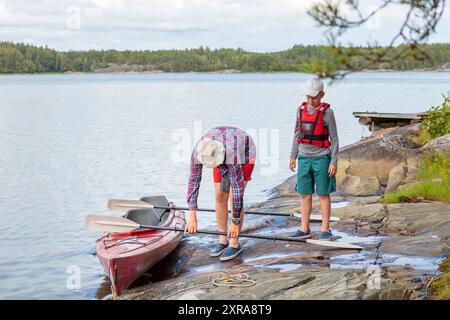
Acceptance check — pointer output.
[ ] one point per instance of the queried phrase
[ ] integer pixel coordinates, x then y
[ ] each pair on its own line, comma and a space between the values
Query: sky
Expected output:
254, 25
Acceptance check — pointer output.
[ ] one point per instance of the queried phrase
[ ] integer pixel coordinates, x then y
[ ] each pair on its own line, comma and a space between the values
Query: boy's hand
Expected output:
332, 170
292, 165
191, 226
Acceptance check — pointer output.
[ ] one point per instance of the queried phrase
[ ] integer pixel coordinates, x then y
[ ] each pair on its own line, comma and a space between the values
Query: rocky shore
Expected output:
403, 243
138, 68
127, 68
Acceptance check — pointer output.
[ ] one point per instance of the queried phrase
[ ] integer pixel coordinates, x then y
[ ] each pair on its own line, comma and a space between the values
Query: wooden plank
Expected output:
376, 115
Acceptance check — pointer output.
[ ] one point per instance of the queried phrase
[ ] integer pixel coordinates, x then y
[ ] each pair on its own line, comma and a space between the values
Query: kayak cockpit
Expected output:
150, 216
147, 217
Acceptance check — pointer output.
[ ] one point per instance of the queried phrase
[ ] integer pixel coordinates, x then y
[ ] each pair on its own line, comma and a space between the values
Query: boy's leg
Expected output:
325, 185
325, 208
221, 211
306, 204
235, 242
305, 186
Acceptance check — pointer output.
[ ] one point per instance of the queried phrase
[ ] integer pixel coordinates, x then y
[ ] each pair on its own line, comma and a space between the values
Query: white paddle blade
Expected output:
334, 244
316, 217
124, 205
109, 224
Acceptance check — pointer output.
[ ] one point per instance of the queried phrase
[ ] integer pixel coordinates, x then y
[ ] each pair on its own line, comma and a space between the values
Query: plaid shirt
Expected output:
240, 149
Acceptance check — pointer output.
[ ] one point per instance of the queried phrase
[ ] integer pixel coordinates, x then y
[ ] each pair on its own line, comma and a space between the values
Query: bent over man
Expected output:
231, 153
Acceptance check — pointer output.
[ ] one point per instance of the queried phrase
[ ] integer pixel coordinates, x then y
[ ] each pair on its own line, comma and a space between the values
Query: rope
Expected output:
234, 280
240, 280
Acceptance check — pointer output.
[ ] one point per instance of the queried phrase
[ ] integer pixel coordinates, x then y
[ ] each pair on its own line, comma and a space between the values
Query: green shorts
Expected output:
314, 170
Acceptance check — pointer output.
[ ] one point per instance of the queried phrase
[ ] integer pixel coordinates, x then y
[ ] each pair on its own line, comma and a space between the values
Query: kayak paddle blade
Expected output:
125, 205
334, 244
318, 217
109, 224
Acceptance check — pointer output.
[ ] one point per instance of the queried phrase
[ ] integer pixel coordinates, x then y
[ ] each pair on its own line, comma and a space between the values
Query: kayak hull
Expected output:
127, 256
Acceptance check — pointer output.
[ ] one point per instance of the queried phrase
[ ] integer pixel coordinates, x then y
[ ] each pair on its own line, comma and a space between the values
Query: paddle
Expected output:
121, 205
120, 224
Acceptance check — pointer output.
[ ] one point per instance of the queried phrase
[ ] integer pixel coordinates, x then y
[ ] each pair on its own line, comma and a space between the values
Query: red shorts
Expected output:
247, 169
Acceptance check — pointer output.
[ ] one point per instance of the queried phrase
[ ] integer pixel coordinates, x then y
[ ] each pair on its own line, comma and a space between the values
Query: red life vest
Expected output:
311, 128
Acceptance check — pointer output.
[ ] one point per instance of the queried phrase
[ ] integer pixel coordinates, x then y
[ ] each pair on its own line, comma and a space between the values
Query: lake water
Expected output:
68, 143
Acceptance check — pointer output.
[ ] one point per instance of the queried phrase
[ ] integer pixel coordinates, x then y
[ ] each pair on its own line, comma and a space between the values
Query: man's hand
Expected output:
332, 170
233, 231
292, 165
191, 226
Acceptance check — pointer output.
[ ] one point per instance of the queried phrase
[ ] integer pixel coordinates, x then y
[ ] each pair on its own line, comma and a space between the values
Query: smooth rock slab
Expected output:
303, 271
300, 284
409, 228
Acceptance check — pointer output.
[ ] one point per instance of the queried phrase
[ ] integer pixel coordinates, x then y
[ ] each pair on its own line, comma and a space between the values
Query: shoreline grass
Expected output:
427, 190
440, 287
422, 137
431, 168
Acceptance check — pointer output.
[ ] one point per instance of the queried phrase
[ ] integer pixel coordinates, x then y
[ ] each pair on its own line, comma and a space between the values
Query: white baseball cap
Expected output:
313, 87
210, 153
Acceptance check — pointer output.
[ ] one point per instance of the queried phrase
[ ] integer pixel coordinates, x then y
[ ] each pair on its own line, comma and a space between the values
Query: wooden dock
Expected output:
376, 120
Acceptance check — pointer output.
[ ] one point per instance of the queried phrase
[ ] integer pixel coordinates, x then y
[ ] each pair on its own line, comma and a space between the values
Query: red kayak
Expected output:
126, 256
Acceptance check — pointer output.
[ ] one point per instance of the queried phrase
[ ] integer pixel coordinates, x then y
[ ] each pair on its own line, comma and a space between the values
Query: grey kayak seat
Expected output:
147, 217
158, 201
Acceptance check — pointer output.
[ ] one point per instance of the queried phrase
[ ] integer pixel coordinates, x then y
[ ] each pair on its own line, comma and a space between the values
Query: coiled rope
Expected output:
234, 280
240, 280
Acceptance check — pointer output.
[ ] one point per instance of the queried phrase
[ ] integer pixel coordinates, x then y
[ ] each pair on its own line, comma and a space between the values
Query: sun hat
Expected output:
210, 153
313, 87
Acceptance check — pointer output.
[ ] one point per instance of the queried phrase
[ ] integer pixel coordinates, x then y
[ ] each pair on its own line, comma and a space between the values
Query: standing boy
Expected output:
317, 146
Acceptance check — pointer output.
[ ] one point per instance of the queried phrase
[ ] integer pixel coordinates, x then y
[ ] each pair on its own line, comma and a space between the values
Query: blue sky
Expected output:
256, 25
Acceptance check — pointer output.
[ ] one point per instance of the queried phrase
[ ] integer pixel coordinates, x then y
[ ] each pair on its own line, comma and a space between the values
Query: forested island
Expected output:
24, 58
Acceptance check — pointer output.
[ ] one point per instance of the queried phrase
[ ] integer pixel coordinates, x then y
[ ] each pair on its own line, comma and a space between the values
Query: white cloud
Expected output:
261, 25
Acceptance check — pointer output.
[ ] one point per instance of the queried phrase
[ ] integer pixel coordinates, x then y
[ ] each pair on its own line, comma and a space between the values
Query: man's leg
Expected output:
325, 208
306, 204
221, 211
235, 242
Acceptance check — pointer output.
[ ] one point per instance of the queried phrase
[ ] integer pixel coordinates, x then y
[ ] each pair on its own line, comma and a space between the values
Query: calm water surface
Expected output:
68, 143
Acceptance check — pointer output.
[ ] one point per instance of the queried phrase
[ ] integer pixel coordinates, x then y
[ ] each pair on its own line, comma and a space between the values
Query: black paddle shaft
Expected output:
247, 212
224, 234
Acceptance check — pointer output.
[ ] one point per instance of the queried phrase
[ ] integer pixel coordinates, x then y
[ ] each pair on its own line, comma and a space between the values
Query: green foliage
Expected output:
431, 167
437, 122
440, 287
426, 190
422, 137
435, 166
22, 58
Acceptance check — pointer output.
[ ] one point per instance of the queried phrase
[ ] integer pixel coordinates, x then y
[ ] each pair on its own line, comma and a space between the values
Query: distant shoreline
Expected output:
439, 70
19, 58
